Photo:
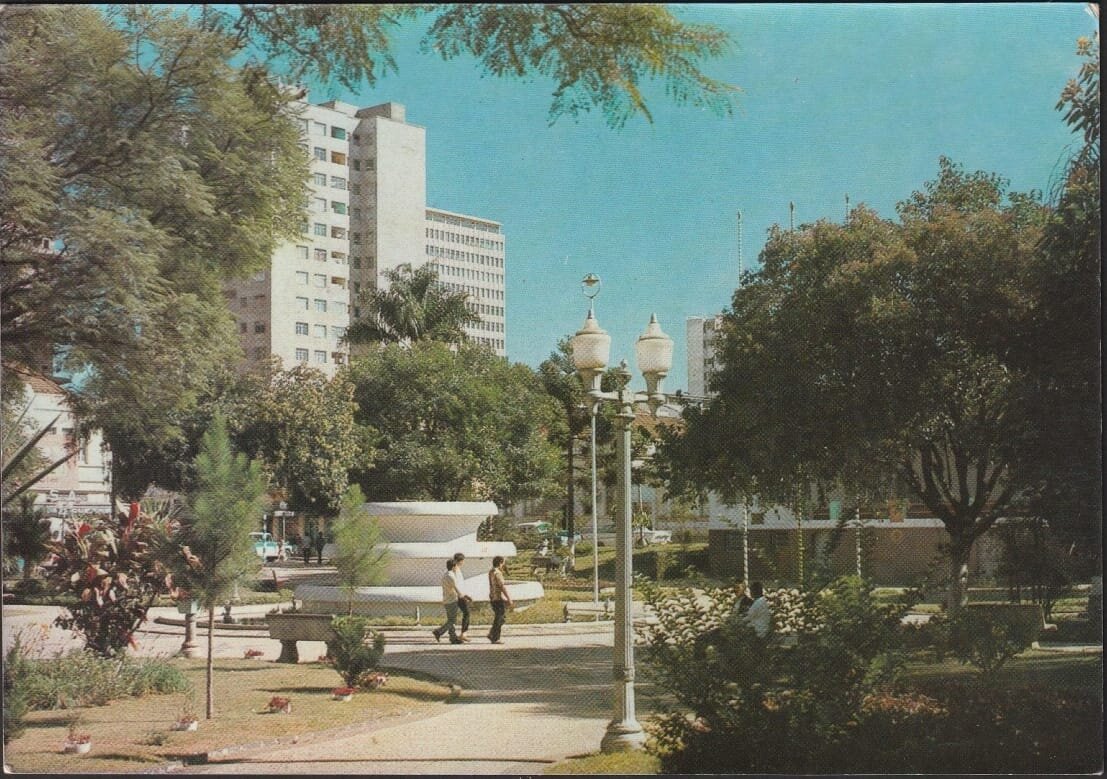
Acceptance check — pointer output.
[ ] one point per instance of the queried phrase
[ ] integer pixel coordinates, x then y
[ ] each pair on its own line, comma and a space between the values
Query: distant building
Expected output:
81, 485
367, 215
701, 344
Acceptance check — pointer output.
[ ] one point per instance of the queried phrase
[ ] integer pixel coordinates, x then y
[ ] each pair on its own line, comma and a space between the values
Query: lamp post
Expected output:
654, 351
590, 286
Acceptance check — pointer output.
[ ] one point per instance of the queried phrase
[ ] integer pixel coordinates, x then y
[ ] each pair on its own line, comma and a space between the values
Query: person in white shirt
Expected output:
449, 601
759, 616
463, 598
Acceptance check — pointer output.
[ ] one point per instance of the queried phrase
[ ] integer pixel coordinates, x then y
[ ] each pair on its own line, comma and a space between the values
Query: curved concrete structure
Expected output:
421, 536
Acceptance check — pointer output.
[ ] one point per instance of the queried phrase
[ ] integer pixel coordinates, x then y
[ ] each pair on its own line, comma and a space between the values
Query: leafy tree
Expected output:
26, 534
413, 306
302, 425
1061, 459
224, 505
361, 555
598, 55
453, 425
876, 349
112, 566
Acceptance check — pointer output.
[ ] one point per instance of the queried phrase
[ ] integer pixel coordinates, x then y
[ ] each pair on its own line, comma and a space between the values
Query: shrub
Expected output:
989, 636
83, 678
15, 703
355, 649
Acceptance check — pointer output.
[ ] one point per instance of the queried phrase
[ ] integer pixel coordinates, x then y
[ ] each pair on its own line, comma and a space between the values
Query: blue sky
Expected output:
836, 99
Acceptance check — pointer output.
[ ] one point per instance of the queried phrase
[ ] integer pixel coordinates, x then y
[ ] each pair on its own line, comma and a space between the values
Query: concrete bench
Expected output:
290, 627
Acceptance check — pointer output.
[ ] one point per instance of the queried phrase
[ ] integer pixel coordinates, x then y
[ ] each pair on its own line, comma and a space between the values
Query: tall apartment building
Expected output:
701, 340
368, 214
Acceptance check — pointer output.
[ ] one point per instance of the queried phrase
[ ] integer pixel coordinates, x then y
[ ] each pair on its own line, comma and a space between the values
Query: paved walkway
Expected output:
542, 696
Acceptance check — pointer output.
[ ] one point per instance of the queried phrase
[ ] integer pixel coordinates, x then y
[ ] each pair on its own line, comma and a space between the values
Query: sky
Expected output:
835, 100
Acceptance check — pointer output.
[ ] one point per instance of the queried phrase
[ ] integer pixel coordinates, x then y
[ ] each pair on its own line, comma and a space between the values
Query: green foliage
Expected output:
361, 555
225, 505
754, 705
597, 55
356, 648
82, 678
453, 425
302, 425
142, 170
26, 534
413, 307
22, 464
114, 568
15, 699
989, 636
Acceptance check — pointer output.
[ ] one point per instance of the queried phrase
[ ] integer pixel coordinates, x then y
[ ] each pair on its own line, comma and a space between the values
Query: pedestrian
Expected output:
759, 616
498, 597
320, 542
449, 602
305, 548
744, 601
463, 598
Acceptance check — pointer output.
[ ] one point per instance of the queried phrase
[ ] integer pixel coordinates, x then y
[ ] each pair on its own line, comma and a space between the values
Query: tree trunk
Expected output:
210, 668
958, 575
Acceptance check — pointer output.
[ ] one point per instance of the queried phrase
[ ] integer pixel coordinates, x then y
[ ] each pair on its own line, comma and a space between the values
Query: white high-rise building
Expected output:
701, 339
368, 214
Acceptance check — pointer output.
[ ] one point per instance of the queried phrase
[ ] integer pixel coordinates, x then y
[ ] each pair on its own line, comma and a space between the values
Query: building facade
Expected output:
701, 343
367, 215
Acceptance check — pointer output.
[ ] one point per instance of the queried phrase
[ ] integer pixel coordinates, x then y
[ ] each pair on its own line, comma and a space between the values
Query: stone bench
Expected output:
290, 627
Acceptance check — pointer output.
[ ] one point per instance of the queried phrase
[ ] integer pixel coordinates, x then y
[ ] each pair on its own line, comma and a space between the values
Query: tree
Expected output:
302, 425
453, 425
412, 307
598, 55
876, 349
224, 505
26, 534
361, 555
1061, 459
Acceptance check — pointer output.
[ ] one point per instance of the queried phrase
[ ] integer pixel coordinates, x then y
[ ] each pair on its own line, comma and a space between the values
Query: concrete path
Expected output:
543, 695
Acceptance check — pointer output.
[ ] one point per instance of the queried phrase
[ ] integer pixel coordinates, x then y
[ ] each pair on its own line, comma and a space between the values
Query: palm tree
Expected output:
414, 307
26, 534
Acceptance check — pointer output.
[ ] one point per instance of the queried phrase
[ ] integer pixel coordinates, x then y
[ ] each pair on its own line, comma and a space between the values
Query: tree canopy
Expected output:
878, 349
453, 425
413, 306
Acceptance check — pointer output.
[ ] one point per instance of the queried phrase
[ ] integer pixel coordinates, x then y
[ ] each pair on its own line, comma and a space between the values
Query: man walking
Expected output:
759, 615
499, 598
463, 599
449, 602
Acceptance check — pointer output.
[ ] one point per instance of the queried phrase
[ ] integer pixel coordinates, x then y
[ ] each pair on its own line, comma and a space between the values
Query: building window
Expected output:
301, 328
320, 179
302, 304
355, 261
357, 140
320, 331
338, 207
338, 182
338, 332
338, 132
242, 327
338, 232
302, 252
357, 213
301, 355
259, 327
320, 153
318, 128
320, 280
259, 352
321, 255
321, 306
320, 355
355, 238
338, 158
356, 163
301, 277
338, 307
339, 358
319, 205
355, 188
320, 229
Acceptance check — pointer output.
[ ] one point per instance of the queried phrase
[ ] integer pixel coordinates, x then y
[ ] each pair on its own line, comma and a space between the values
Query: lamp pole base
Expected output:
189, 650
623, 737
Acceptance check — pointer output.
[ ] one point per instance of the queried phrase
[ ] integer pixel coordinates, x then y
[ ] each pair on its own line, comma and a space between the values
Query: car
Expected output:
655, 536
641, 537
563, 537
268, 548
540, 528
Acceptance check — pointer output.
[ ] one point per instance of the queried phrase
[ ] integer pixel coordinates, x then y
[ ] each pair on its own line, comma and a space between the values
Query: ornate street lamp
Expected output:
591, 348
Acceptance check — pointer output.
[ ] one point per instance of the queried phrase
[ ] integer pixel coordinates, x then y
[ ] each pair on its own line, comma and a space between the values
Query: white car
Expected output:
267, 548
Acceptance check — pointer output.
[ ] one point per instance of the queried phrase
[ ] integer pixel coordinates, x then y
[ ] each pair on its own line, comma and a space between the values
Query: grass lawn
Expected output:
133, 734
1051, 669
615, 763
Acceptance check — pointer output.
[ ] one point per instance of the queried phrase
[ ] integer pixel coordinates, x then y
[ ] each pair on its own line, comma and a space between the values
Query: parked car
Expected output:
540, 528
268, 548
606, 536
563, 537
